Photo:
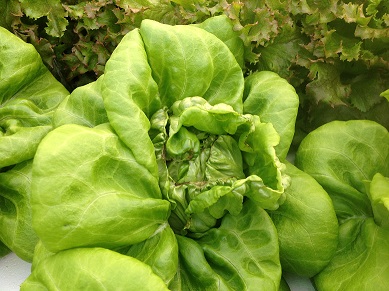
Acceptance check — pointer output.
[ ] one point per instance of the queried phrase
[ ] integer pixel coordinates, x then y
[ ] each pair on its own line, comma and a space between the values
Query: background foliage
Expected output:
335, 53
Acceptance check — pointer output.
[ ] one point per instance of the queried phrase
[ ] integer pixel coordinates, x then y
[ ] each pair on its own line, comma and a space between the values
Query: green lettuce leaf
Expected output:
181, 71
306, 225
76, 107
98, 201
241, 254
361, 261
92, 269
15, 220
343, 157
378, 192
275, 101
29, 94
203, 169
160, 252
221, 26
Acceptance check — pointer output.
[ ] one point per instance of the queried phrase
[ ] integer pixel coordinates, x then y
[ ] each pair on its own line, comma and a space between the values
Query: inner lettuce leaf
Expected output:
204, 154
351, 161
275, 101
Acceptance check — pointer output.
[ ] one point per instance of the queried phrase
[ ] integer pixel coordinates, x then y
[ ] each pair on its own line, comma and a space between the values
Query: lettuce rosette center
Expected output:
204, 155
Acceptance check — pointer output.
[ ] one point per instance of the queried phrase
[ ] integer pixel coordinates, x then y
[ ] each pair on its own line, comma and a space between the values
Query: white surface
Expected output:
13, 271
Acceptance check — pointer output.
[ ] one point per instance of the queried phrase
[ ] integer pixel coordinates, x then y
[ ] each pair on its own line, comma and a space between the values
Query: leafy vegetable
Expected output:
28, 96
344, 157
171, 169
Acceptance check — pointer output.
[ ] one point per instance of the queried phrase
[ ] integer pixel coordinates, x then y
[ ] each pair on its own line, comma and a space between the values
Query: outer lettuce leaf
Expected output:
275, 101
342, 157
222, 27
84, 106
15, 220
306, 225
92, 269
103, 196
130, 96
361, 261
180, 70
28, 95
242, 254
160, 252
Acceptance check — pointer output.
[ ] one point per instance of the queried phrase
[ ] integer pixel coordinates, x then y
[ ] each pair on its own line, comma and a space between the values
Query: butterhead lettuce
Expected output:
167, 167
158, 160
351, 161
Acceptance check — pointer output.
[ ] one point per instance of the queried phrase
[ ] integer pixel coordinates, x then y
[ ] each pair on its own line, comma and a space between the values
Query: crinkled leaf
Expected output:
103, 196
366, 89
52, 9
280, 55
306, 224
326, 85
9, 10
275, 101
205, 174
15, 212
92, 269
